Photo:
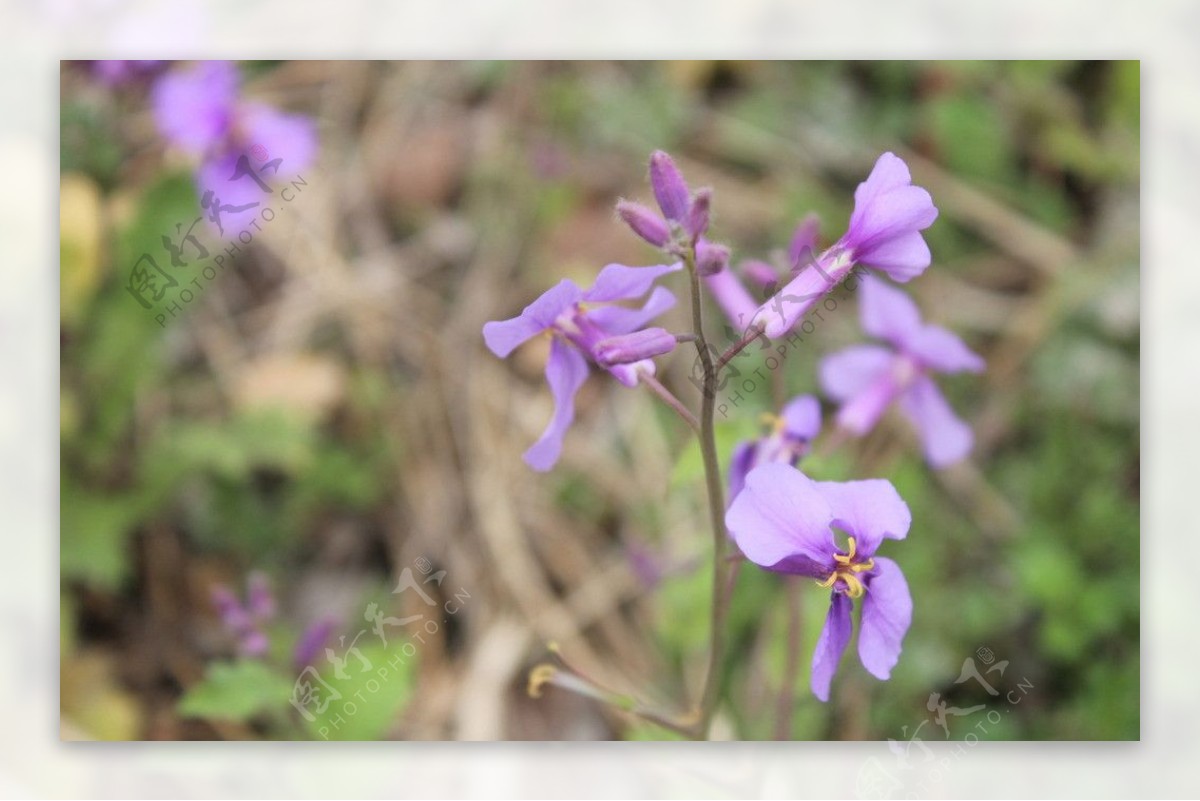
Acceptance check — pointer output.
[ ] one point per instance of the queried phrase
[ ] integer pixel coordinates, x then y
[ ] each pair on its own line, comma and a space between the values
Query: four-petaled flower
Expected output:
885, 233
866, 379
788, 440
582, 325
784, 521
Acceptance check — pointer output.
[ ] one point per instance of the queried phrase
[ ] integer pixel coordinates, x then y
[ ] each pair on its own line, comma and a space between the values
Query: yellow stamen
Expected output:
847, 569
773, 422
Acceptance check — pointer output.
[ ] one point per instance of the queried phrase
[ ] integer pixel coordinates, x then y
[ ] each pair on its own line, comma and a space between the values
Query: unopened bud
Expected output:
630, 348
670, 190
710, 258
645, 223
803, 246
697, 218
761, 274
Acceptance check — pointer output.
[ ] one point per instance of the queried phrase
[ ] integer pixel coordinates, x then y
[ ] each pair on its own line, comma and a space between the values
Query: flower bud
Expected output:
670, 190
761, 274
802, 248
645, 223
711, 258
630, 348
697, 217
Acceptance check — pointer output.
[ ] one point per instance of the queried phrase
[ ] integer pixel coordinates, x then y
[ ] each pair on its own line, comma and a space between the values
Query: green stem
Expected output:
716, 508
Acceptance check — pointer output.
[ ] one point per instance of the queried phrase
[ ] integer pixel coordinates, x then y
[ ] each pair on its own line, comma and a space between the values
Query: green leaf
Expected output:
236, 691
370, 697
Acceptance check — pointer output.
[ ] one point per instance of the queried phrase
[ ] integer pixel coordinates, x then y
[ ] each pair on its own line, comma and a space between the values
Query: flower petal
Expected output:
887, 313
740, 464
289, 137
619, 282
733, 298
503, 336
886, 616
802, 417
867, 510
566, 370
946, 439
848, 372
831, 645
780, 313
938, 348
615, 320
902, 257
194, 108
781, 522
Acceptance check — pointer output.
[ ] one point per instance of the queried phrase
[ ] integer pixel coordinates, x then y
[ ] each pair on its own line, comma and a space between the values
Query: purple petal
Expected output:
194, 108
761, 274
781, 521
886, 616
711, 258
269, 134
670, 190
886, 205
938, 348
902, 257
740, 464
782, 311
254, 644
618, 282
887, 313
802, 417
861, 412
615, 320
732, 297
312, 640
831, 645
848, 372
945, 438
869, 511
803, 246
234, 202
503, 336
566, 370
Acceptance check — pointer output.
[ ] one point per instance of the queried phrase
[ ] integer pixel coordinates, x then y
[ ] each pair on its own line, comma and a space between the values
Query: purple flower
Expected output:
884, 233
788, 441
784, 521
312, 640
242, 147
245, 622
579, 323
866, 379
731, 294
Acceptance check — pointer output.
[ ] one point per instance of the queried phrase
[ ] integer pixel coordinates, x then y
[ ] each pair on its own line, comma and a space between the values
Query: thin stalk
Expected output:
669, 398
737, 348
716, 507
787, 692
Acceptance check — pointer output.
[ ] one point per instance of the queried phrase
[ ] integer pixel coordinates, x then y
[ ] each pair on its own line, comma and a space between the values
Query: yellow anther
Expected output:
846, 570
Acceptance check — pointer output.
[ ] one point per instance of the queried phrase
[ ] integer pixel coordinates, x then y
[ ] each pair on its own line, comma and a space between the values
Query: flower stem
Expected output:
716, 508
787, 691
669, 398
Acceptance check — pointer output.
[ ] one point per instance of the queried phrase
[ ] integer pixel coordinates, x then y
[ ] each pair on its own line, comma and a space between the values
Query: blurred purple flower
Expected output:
866, 379
245, 622
578, 322
788, 441
784, 521
884, 233
241, 145
312, 640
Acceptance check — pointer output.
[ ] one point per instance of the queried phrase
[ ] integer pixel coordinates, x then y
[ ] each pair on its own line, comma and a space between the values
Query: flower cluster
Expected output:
200, 111
777, 516
246, 622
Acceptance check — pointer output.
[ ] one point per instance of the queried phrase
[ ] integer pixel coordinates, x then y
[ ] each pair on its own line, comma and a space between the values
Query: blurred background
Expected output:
316, 452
